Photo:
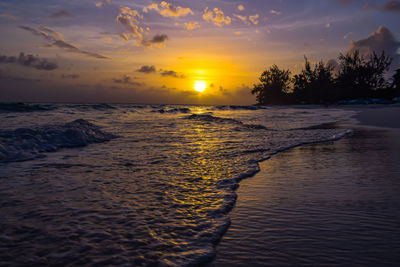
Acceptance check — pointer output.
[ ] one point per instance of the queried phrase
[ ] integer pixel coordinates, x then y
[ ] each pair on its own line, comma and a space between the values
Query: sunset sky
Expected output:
142, 51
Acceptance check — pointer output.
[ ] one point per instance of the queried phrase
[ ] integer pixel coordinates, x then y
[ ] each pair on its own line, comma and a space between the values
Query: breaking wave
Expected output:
23, 107
173, 110
233, 107
28, 143
213, 119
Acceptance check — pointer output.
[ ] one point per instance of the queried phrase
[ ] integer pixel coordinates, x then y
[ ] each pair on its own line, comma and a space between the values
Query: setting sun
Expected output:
200, 86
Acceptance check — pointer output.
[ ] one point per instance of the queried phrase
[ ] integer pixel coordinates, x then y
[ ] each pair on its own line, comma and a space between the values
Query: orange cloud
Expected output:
216, 16
167, 10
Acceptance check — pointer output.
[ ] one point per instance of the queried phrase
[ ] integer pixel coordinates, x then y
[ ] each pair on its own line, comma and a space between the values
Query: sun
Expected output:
200, 86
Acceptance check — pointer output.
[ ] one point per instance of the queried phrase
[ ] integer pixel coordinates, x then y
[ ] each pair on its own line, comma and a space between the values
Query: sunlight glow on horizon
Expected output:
200, 86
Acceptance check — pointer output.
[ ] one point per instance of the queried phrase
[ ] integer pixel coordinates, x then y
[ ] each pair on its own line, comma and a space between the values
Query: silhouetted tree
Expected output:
359, 77
396, 82
314, 85
273, 86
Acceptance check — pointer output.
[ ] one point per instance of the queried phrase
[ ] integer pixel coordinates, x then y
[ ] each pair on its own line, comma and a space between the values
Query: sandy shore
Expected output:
334, 203
379, 116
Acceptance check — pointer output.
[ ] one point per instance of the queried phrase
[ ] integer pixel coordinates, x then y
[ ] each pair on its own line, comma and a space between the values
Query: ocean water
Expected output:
330, 204
134, 184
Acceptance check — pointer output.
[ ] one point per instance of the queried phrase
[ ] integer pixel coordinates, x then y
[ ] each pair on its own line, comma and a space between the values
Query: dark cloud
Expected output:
158, 39
56, 39
165, 73
171, 73
29, 61
392, 6
381, 40
70, 76
59, 14
127, 80
389, 6
72, 48
147, 69
378, 41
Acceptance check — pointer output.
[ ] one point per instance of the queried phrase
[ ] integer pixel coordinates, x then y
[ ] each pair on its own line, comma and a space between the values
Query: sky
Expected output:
176, 52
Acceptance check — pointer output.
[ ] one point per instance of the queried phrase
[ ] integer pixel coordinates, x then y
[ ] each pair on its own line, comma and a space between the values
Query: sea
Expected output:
129, 184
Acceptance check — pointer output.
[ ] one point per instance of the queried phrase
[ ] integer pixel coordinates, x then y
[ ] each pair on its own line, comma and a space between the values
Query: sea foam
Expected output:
27, 143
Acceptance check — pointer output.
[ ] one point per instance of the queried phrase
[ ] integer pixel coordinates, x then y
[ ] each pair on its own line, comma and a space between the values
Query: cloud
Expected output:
190, 26
7, 16
216, 16
70, 76
147, 69
29, 61
254, 19
158, 40
171, 73
129, 18
102, 3
56, 40
74, 49
59, 14
240, 7
242, 18
333, 65
390, 6
18, 79
167, 10
273, 11
347, 35
382, 39
126, 79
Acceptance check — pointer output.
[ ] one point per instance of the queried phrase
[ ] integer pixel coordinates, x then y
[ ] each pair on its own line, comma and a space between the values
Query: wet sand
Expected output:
334, 203
379, 116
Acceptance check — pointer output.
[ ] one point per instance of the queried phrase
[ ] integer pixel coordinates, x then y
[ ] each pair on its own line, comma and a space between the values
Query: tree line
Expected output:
356, 77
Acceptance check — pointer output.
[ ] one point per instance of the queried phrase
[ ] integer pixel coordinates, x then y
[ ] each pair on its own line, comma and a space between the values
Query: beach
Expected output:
333, 203
154, 185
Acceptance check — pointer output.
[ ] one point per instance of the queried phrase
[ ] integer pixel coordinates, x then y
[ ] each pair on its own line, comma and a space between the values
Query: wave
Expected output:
322, 126
173, 110
24, 107
233, 107
86, 107
28, 143
209, 118
102, 106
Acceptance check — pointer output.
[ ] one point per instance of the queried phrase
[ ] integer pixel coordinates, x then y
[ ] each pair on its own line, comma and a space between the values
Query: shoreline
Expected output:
385, 117
377, 125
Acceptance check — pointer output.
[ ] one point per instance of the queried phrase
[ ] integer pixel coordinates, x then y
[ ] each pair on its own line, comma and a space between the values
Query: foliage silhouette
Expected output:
273, 87
396, 82
357, 77
313, 85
